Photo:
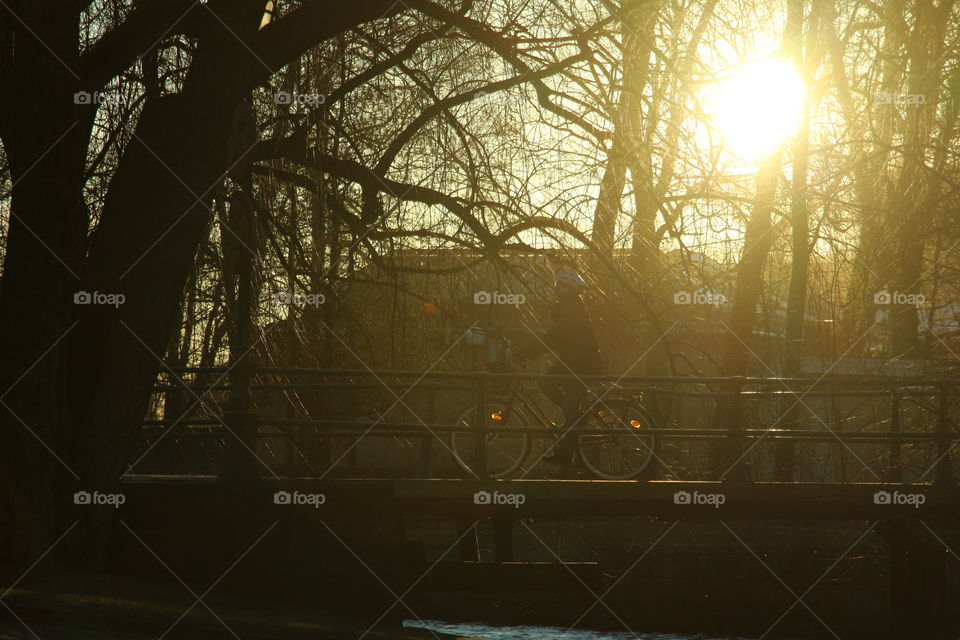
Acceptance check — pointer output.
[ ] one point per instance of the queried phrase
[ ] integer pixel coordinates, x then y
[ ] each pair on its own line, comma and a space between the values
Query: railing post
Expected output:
944, 477
426, 445
895, 474
240, 284
480, 430
784, 448
735, 434
239, 464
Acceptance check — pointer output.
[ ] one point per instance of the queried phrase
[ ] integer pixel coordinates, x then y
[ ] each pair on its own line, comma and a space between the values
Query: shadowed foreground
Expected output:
131, 611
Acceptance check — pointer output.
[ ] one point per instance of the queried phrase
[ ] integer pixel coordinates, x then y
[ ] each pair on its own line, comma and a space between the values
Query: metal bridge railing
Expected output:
315, 403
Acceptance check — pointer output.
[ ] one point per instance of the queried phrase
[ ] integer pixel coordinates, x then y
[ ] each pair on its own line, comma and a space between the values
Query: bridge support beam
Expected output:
918, 572
469, 545
503, 538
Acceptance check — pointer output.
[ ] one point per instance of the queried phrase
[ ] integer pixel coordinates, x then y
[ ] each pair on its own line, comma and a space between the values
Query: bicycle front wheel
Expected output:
622, 447
505, 451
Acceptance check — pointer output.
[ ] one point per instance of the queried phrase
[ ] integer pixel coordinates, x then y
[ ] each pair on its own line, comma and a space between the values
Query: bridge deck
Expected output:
576, 498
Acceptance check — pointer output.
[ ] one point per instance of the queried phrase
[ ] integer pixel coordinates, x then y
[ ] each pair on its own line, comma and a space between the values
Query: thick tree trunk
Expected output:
738, 347
611, 191
925, 51
145, 249
76, 394
648, 262
869, 271
44, 135
155, 217
803, 57
90, 378
799, 213
636, 25
757, 241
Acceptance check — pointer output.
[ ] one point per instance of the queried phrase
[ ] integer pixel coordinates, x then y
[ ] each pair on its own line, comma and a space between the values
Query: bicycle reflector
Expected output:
635, 423
496, 415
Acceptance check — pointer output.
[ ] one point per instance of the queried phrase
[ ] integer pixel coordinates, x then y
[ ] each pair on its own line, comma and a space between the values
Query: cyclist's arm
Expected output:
552, 340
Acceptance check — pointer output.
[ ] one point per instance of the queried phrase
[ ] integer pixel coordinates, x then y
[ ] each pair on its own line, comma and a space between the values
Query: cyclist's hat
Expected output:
571, 279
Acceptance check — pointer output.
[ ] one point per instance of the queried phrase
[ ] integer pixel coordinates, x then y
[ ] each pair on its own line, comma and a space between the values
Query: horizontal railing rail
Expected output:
730, 394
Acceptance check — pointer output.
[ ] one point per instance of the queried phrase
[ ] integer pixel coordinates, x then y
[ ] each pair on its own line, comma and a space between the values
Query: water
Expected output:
490, 632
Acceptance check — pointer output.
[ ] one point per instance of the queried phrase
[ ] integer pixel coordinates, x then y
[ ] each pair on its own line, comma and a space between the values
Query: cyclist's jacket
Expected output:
571, 340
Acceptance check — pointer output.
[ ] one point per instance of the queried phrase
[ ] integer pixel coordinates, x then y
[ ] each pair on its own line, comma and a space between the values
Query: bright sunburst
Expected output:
758, 107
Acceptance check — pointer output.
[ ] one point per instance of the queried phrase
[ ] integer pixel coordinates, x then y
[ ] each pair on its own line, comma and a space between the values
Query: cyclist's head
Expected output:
569, 282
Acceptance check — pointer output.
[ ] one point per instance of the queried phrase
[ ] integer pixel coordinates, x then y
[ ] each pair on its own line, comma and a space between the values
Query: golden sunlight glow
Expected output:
758, 107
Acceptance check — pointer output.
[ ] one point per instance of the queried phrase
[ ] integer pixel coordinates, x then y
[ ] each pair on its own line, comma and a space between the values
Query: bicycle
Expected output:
621, 448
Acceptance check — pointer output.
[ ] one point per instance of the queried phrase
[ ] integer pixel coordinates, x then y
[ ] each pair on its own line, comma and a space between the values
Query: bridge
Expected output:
348, 443
896, 423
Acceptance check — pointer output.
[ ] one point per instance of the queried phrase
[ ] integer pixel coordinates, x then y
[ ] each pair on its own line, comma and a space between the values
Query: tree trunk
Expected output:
45, 136
74, 396
757, 241
925, 52
738, 346
800, 228
636, 24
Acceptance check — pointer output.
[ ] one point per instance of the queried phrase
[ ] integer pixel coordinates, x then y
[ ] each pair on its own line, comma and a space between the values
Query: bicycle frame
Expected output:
518, 396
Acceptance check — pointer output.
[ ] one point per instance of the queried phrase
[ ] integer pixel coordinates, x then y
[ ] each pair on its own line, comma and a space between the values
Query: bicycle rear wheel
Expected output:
625, 449
506, 451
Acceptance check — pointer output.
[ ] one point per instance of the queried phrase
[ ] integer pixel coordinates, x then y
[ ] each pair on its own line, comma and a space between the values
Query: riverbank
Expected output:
733, 579
94, 609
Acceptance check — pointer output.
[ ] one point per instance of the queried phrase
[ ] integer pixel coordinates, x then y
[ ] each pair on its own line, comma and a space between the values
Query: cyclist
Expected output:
573, 348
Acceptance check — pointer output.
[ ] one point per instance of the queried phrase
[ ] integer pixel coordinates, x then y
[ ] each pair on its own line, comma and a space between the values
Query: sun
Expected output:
758, 107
